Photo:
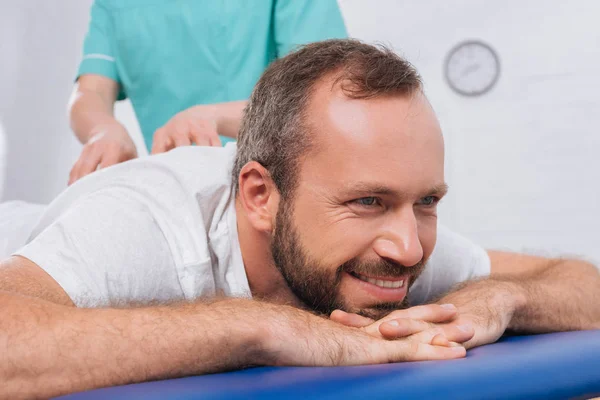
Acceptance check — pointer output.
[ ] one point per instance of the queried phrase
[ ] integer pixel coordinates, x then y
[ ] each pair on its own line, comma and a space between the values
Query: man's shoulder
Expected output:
455, 259
192, 168
198, 168
182, 180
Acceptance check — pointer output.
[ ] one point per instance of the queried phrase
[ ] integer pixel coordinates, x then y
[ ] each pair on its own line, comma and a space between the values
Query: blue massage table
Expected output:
552, 366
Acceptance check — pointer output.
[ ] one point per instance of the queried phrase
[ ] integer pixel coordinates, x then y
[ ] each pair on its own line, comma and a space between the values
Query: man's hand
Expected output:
488, 305
109, 144
300, 338
195, 125
440, 322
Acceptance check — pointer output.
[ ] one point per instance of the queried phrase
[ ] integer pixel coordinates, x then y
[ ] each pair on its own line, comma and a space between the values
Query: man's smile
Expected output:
382, 282
384, 289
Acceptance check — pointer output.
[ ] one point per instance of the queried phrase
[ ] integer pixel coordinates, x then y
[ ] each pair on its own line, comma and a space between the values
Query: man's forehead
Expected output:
394, 138
379, 122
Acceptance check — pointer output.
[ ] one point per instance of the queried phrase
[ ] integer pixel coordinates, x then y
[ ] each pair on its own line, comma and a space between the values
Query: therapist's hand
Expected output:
109, 144
442, 322
196, 125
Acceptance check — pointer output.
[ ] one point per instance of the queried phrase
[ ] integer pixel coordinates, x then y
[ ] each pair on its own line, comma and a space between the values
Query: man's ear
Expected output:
258, 196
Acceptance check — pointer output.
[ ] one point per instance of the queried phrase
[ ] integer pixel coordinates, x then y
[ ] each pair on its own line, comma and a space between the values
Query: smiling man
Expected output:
305, 245
357, 222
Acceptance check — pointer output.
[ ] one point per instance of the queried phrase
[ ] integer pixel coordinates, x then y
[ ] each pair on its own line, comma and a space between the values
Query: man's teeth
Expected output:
382, 283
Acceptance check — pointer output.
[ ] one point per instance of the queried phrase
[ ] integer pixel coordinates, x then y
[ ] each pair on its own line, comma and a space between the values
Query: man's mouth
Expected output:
382, 282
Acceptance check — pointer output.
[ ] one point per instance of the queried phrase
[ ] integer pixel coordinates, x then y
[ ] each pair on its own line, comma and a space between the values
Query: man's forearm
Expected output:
48, 350
563, 296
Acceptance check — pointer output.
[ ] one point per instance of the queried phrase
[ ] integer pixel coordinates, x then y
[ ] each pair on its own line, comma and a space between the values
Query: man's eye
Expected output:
366, 201
429, 201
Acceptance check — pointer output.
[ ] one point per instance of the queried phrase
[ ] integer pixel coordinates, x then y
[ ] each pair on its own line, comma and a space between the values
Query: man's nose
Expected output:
399, 241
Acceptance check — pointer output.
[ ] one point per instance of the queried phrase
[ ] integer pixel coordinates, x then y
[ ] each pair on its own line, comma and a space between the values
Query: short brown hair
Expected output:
272, 131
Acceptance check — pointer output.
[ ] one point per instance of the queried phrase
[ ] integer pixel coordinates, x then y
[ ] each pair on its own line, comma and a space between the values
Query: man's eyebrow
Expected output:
371, 189
439, 190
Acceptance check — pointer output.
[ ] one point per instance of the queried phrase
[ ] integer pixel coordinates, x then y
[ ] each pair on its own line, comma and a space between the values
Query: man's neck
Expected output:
265, 280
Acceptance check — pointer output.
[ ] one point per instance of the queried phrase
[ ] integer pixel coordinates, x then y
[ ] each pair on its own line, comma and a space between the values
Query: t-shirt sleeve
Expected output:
107, 249
455, 259
299, 22
99, 55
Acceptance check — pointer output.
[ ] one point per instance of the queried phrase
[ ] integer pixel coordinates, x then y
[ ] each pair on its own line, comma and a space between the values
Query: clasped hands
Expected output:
443, 325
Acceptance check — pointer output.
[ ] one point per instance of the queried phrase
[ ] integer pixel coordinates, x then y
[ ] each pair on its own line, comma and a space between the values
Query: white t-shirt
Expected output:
163, 228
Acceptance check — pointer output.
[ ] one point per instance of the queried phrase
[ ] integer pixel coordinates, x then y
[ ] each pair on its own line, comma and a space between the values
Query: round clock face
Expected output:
472, 68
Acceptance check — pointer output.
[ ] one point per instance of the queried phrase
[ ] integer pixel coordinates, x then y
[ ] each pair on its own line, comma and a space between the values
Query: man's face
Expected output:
362, 221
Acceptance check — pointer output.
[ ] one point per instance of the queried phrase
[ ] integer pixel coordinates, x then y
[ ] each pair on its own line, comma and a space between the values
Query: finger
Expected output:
433, 312
427, 335
201, 135
215, 141
425, 352
161, 142
459, 333
87, 163
428, 352
74, 174
182, 140
203, 141
440, 340
90, 163
430, 313
402, 327
109, 159
350, 319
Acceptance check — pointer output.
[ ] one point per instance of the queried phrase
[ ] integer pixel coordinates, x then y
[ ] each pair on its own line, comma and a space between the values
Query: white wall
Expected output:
40, 48
521, 163
40, 44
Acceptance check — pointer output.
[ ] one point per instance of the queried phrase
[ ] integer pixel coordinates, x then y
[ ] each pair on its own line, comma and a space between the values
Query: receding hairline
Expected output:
335, 80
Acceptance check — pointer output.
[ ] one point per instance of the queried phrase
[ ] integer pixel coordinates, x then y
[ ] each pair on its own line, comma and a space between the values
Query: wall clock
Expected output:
472, 68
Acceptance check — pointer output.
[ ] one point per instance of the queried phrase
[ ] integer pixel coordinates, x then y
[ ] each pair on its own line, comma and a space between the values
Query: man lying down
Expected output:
305, 245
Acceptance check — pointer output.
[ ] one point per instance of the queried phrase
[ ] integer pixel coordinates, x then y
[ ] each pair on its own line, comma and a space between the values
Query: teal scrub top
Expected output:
169, 55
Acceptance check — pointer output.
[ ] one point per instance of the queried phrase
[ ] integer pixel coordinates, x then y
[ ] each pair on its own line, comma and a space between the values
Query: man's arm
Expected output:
531, 295
570, 289
106, 141
51, 349
22, 276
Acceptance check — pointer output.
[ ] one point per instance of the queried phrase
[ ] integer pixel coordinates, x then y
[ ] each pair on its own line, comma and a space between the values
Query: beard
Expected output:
315, 284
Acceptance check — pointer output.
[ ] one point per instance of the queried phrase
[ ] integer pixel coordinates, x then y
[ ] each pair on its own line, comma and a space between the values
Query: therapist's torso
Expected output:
170, 55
